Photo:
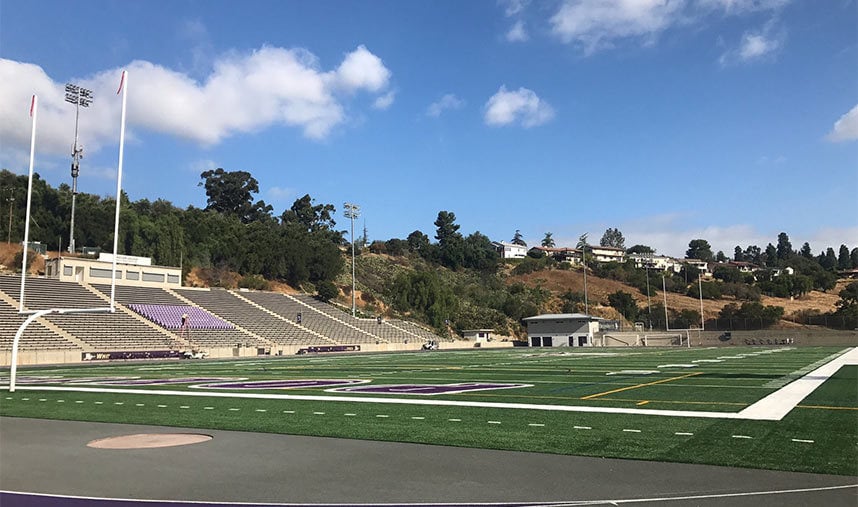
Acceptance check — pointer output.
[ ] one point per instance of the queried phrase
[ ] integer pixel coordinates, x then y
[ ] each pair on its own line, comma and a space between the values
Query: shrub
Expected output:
327, 290
255, 282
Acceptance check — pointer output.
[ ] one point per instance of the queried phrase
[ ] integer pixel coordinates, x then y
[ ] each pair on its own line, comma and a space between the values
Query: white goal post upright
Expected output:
124, 90
35, 314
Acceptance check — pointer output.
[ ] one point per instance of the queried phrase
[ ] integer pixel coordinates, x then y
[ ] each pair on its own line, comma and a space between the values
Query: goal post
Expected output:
32, 315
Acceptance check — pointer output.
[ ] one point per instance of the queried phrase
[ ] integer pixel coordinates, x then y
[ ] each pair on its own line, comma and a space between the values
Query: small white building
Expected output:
478, 335
510, 250
561, 330
130, 270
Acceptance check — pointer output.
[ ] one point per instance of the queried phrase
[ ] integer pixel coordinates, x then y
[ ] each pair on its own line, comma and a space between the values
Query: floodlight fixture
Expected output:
80, 97
352, 211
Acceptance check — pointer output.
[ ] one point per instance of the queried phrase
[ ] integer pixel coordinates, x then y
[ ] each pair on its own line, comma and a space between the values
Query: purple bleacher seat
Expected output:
170, 316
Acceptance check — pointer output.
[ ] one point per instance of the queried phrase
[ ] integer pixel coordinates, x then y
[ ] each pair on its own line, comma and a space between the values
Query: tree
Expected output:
844, 262
624, 303
699, 249
312, 217
446, 227
231, 193
847, 305
417, 242
640, 249
753, 254
517, 239
548, 241
479, 253
830, 259
450, 241
771, 255
737, 254
327, 290
784, 248
854, 256
613, 238
720, 256
805, 251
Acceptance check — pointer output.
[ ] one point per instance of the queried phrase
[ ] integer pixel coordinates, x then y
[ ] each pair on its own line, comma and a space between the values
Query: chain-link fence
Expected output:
826, 321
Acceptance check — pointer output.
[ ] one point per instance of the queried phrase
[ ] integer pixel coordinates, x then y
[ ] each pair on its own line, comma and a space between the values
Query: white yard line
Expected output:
778, 404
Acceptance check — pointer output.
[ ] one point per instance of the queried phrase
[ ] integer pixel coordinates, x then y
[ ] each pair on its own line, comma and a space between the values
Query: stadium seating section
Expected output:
148, 318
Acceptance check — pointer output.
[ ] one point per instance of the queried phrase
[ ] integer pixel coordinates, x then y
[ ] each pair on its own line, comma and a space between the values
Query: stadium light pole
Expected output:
352, 211
648, 257
11, 200
664, 291
80, 97
700, 291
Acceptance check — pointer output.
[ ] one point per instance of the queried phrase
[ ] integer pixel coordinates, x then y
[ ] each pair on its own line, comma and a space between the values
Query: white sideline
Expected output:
778, 404
771, 408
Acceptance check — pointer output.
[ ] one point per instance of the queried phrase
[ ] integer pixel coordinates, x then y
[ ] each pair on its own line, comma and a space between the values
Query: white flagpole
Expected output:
34, 110
123, 87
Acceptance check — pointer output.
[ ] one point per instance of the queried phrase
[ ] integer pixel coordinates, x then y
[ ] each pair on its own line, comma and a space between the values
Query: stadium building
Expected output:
561, 330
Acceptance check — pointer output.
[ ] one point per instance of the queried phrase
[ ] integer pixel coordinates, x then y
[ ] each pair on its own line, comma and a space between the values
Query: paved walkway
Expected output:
51, 457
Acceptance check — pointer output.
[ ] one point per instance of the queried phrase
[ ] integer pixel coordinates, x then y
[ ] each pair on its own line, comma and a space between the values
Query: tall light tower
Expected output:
352, 211
11, 200
80, 97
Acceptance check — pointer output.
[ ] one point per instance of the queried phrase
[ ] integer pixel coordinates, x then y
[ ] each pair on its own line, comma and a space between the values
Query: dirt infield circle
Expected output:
148, 441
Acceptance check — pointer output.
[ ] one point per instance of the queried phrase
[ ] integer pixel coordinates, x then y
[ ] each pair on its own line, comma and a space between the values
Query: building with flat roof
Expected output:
130, 270
561, 330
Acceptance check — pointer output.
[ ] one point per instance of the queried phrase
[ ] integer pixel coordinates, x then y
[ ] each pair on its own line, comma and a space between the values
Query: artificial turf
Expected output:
820, 435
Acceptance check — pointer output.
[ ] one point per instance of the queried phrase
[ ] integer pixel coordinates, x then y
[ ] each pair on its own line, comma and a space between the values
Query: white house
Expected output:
510, 250
657, 262
607, 253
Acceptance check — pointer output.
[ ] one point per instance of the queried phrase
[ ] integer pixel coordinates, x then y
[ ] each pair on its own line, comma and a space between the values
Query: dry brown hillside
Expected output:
560, 281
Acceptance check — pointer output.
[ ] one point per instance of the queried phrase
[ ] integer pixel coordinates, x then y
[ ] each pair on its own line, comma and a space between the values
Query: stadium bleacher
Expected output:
149, 318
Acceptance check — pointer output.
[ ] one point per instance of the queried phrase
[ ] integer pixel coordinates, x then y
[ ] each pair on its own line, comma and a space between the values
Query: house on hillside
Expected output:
607, 254
560, 254
702, 266
656, 262
561, 330
509, 250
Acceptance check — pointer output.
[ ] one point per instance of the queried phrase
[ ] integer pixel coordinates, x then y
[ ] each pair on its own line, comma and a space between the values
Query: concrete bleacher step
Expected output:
330, 316
281, 317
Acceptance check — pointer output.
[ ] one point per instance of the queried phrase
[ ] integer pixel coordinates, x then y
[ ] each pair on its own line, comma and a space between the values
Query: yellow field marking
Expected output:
824, 407
644, 402
641, 385
675, 402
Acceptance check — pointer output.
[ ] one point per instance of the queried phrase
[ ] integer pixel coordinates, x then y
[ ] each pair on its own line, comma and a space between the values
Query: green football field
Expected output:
666, 404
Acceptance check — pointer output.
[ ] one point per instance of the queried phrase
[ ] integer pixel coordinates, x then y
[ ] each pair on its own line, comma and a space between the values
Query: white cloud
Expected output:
447, 102
513, 7
846, 128
595, 24
362, 70
242, 93
742, 6
385, 101
517, 33
522, 106
756, 45
200, 166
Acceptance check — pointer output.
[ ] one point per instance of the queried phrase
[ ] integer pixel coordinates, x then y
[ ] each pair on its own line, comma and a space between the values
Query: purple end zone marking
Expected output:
426, 389
281, 384
161, 381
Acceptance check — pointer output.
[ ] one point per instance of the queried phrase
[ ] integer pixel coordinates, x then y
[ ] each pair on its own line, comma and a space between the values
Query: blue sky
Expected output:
727, 120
